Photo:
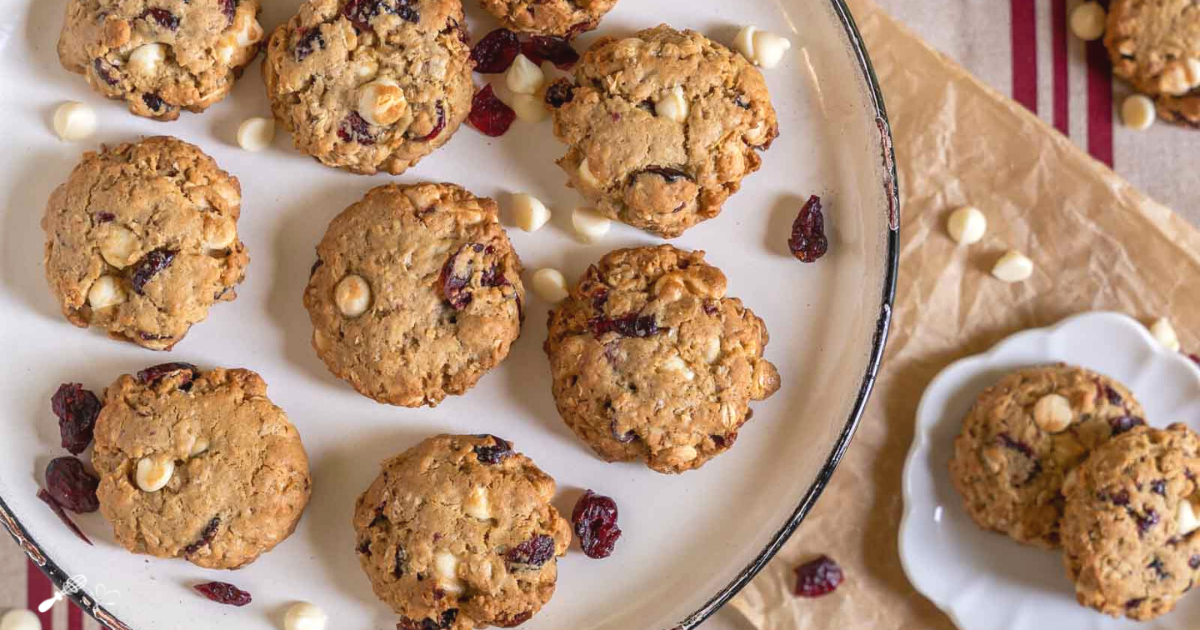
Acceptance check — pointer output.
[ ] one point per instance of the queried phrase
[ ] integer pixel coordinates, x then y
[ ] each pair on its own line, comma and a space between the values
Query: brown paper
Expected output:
1097, 244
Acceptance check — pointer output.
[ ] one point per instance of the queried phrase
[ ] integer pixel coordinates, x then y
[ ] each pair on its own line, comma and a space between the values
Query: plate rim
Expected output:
879, 337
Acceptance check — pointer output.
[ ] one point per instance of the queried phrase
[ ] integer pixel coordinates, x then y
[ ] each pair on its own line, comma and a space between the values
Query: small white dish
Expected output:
985, 581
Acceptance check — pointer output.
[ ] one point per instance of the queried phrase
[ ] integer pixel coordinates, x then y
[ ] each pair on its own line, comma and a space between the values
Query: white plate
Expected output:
690, 541
985, 581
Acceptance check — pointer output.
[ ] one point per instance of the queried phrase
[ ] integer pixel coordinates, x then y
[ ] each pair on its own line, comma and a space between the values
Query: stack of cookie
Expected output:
1060, 457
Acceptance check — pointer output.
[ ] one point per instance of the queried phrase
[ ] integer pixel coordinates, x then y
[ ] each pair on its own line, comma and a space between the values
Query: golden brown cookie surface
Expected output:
1155, 44
562, 18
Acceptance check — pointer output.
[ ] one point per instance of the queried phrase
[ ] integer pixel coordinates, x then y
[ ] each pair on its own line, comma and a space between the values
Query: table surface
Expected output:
1023, 49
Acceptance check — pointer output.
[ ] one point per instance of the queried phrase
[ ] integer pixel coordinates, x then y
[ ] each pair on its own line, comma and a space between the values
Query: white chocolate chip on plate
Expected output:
769, 49
1137, 112
550, 285
524, 76
106, 291
74, 121
256, 133
1052, 413
590, 225
967, 225
1164, 333
147, 57
744, 42
528, 212
153, 473
1013, 267
529, 108
304, 616
1088, 21
352, 295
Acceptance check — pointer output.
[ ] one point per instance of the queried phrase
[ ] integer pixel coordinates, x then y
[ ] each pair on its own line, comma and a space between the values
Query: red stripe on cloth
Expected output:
1024, 53
74, 617
39, 589
1062, 88
1099, 103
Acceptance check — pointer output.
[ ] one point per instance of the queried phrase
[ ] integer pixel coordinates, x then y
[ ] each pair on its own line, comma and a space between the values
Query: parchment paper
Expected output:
1097, 244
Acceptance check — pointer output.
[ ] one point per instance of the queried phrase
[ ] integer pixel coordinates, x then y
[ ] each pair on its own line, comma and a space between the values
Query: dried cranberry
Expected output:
1195, 358
1008, 442
560, 93
148, 267
632, 325
1147, 520
444, 622
1194, 562
312, 271
1159, 487
48, 499
494, 454
489, 114
1125, 423
163, 17
355, 129
1157, 565
624, 438
595, 520
505, 621
712, 307
1134, 603
741, 102
105, 72
496, 51
360, 12
310, 40
71, 485
808, 242
817, 577
104, 217
533, 552
155, 373
229, 8
76, 409
672, 175
438, 126
456, 277
1120, 498
556, 50
206, 536
153, 101
223, 593
1112, 396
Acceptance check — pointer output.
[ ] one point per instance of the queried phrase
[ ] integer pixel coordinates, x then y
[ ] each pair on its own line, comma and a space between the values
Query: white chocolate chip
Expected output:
1137, 112
674, 106
20, 619
250, 33
585, 174
381, 102
119, 247
352, 295
1013, 267
744, 42
198, 447
967, 225
74, 121
366, 69
153, 473
1052, 413
476, 505
147, 57
106, 291
219, 235
550, 285
681, 453
676, 364
256, 134
529, 108
1164, 333
1186, 520
589, 225
769, 49
1088, 20
304, 616
528, 212
712, 351
445, 564
524, 76
320, 341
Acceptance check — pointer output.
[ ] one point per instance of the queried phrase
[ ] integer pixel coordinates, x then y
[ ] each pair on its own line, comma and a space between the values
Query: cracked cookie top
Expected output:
650, 360
161, 56
1155, 44
662, 127
458, 533
229, 472
1021, 438
371, 85
562, 18
142, 239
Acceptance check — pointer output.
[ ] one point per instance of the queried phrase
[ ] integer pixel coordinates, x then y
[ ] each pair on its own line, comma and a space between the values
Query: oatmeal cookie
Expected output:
1155, 44
562, 18
160, 56
142, 239
198, 465
1129, 537
1182, 110
416, 293
662, 127
650, 360
458, 533
371, 85
1022, 437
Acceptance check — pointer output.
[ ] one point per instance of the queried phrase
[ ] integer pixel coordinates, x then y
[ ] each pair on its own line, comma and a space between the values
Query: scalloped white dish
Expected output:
983, 580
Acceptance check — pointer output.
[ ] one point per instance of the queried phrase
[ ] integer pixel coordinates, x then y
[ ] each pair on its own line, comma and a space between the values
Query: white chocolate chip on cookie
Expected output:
382, 102
146, 59
477, 506
673, 106
153, 473
352, 295
586, 174
445, 565
106, 291
119, 247
1052, 413
1186, 521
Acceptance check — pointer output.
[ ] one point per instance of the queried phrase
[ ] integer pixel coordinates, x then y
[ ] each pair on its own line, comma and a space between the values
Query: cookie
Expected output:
416, 293
650, 360
1129, 538
1181, 110
458, 533
662, 127
1021, 438
371, 85
198, 465
142, 239
1155, 44
163, 56
561, 18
